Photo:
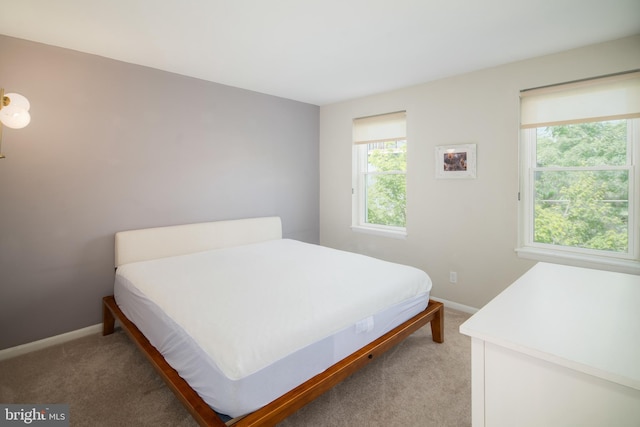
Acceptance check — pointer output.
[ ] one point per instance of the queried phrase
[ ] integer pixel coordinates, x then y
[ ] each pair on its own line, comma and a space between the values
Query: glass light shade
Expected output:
14, 117
17, 100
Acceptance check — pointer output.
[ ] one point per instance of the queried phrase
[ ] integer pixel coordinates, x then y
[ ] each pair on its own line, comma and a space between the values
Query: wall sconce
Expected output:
14, 112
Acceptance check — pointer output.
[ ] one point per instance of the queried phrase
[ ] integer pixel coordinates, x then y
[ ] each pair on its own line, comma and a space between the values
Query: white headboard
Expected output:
161, 242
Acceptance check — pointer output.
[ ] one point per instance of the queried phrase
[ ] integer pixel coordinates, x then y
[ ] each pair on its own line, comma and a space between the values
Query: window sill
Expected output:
394, 234
579, 260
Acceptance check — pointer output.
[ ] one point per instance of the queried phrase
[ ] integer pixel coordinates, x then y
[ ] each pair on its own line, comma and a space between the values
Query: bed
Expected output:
247, 327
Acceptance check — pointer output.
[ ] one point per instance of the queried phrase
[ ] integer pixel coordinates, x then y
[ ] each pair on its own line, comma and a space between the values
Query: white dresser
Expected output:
559, 347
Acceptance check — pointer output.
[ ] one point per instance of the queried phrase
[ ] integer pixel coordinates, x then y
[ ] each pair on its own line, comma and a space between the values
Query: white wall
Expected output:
467, 226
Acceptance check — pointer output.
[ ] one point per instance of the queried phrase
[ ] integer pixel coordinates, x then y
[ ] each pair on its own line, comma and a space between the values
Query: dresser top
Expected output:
584, 319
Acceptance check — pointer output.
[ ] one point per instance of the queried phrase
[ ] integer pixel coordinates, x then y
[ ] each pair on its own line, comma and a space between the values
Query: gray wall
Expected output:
114, 146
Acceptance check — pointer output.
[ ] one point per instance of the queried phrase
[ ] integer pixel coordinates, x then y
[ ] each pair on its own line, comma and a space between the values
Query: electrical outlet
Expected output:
453, 277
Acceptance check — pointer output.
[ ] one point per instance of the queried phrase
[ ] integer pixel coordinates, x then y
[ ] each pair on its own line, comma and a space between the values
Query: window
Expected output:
379, 174
580, 194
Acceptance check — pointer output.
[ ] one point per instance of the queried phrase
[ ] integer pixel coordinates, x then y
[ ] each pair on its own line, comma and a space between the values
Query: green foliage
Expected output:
584, 144
582, 208
386, 188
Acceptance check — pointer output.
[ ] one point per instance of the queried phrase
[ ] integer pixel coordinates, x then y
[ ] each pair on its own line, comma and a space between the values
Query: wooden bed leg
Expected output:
437, 325
108, 320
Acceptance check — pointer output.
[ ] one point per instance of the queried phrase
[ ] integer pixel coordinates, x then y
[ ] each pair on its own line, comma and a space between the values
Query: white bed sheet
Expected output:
244, 325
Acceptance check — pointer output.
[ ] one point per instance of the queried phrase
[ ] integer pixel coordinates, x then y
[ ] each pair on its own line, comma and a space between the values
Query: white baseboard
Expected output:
48, 342
456, 306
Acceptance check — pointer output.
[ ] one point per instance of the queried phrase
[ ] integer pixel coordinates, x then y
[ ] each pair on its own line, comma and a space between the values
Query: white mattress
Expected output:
246, 324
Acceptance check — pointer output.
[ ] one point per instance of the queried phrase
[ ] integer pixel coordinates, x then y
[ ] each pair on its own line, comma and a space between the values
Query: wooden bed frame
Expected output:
128, 249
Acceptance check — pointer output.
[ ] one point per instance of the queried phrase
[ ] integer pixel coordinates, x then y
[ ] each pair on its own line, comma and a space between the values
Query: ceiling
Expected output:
319, 51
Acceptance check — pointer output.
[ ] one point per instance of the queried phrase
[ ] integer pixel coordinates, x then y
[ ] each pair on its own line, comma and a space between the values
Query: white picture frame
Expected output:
456, 161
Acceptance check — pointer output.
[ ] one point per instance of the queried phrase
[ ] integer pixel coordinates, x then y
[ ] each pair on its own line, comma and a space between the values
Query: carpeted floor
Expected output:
108, 382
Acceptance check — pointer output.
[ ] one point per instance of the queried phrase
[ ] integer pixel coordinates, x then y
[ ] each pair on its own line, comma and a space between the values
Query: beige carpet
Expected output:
107, 382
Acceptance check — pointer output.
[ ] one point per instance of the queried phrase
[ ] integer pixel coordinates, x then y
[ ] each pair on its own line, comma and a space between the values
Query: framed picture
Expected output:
456, 161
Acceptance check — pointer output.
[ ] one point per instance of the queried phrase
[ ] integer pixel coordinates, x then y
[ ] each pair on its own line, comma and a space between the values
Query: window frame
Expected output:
375, 134
527, 248
359, 192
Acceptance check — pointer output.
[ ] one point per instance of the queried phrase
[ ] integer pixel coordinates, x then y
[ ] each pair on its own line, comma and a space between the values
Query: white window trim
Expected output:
624, 263
392, 232
358, 201
579, 260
